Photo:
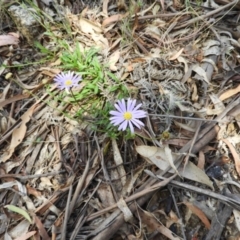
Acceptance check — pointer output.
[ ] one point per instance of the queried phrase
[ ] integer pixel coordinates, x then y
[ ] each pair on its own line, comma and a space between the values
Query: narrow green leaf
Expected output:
42, 48
19, 211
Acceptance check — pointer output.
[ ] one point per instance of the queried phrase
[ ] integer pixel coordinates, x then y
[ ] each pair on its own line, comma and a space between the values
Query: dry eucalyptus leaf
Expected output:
105, 196
18, 134
172, 218
145, 10
208, 44
184, 126
236, 214
45, 183
7, 236
234, 154
119, 162
128, 187
218, 105
151, 29
199, 213
127, 214
41, 228
201, 72
158, 157
113, 59
194, 173
201, 160
47, 2
214, 50
105, 7
211, 3
87, 26
176, 54
184, 61
153, 224
27, 235
10, 39
100, 41
112, 19
19, 229
229, 93
15, 98
169, 158
5, 92
211, 47
155, 9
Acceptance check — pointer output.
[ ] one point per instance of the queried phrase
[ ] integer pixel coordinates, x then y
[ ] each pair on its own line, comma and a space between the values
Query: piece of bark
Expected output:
218, 223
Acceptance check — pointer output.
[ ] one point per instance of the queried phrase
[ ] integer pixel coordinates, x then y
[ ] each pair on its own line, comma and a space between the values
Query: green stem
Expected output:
76, 99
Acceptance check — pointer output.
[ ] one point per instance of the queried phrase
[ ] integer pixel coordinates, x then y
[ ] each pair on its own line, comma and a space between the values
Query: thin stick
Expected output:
178, 213
19, 176
209, 14
187, 118
82, 217
64, 229
79, 187
224, 199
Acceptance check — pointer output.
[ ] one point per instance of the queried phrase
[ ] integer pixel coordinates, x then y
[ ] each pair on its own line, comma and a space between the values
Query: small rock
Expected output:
26, 20
215, 172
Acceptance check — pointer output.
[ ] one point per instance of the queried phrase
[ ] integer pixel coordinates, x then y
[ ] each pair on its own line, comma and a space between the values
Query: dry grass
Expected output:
67, 174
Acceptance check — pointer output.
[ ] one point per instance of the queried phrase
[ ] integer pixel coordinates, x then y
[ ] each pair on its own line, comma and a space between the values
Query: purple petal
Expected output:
123, 126
115, 113
122, 105
116, 121
133, 103
76, 78
137, 123
129, 102
118, 107
131, 127
139, 114
69, 74
137, 107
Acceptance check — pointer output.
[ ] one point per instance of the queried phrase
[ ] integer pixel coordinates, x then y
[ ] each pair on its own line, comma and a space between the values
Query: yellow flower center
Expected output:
68, 82
127, 116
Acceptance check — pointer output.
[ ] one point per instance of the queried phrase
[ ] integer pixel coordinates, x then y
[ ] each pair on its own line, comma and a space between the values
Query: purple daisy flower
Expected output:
67, 80
127, 114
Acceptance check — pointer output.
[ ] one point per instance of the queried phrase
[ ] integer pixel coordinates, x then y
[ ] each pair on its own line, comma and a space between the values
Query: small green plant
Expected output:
98, 88
44, 50
88, 66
